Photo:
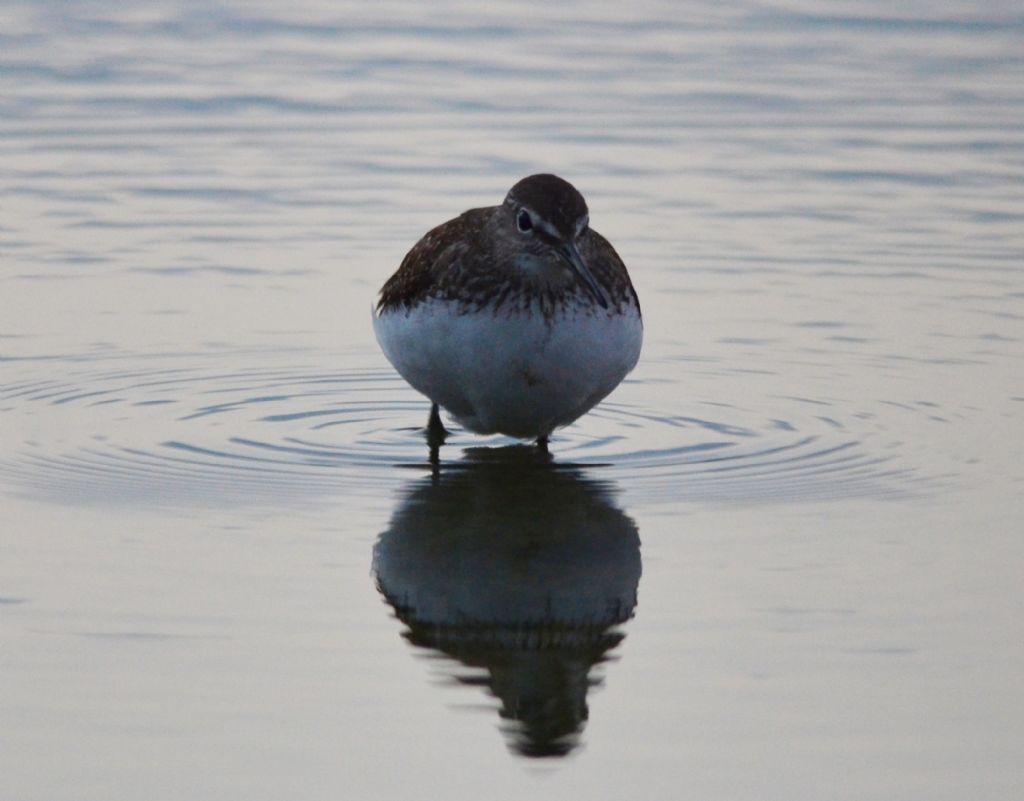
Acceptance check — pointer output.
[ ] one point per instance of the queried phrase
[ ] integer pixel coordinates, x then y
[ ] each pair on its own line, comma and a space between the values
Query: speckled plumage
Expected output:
511, 330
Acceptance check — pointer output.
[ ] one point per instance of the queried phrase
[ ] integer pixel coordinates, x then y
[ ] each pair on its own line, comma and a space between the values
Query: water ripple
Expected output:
202, 436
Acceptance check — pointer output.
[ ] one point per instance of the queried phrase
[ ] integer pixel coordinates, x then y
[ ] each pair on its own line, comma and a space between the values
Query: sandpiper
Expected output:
516, 319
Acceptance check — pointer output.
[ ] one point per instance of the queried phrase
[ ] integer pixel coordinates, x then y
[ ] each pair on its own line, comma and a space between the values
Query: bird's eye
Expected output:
524, 221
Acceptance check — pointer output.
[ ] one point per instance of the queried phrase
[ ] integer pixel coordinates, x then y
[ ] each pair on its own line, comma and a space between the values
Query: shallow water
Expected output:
781, 561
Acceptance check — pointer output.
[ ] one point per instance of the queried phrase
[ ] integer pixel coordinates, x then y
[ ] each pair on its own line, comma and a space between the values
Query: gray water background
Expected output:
782, 561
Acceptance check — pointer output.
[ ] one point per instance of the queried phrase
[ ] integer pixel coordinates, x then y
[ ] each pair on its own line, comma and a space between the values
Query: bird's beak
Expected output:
571, 254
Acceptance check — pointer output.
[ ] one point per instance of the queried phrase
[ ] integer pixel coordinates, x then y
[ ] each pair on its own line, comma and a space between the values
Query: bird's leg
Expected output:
434, 424
436, 432
542, 444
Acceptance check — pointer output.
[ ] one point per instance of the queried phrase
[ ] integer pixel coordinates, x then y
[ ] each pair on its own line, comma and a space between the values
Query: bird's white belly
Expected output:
512, 373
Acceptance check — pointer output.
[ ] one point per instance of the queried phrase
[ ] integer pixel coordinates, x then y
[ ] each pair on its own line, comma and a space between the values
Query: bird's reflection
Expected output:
521, 570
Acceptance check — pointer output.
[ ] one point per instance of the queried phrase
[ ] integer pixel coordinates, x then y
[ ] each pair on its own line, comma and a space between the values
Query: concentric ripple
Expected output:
96, 432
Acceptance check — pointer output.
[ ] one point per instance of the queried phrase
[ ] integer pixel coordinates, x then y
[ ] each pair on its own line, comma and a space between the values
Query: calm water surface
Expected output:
782, 561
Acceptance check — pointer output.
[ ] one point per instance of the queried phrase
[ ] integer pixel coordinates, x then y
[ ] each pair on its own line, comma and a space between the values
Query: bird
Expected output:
516, 319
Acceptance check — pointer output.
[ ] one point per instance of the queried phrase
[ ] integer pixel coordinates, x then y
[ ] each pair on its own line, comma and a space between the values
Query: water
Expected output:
781, 561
